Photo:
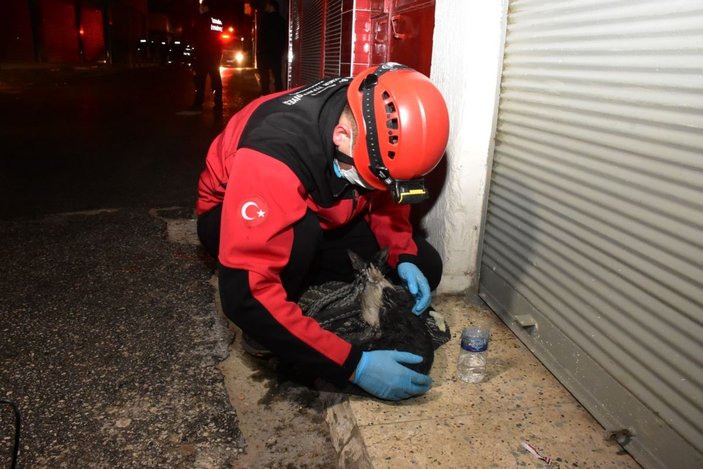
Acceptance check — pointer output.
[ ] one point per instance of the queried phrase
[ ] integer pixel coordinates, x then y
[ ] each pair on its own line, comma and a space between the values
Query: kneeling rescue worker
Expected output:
298, 177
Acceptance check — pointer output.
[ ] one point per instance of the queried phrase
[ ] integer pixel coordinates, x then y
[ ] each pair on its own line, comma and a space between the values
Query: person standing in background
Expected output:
208, 52
272, 39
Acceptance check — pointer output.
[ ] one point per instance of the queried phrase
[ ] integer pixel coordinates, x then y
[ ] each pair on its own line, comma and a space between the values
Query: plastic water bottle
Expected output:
471, 366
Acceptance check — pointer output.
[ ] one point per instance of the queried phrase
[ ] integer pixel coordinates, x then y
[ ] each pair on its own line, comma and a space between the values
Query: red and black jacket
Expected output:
269, 168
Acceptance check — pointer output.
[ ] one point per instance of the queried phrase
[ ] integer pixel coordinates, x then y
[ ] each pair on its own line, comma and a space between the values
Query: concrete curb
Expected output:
344, 431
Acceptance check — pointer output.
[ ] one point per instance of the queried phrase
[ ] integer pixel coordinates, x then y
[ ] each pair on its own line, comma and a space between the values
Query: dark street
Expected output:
110, 339
107, 327
81, 140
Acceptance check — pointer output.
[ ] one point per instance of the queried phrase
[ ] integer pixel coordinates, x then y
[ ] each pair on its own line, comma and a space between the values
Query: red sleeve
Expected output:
214, 177
390, 223
263, 201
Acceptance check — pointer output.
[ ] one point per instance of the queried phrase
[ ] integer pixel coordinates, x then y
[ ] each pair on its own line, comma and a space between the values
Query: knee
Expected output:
208, 227
429, 262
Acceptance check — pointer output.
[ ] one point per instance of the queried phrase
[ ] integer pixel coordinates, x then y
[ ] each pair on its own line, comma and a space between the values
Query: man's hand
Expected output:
381, 373
417, 285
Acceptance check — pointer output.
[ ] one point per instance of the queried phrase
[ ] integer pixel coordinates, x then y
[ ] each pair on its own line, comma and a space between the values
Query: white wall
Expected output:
466, 63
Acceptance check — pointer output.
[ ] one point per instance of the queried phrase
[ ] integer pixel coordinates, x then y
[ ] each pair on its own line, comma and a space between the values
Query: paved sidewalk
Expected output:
474, 426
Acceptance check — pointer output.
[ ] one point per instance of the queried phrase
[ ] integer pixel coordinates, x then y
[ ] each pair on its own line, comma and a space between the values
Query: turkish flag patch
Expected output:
253, 211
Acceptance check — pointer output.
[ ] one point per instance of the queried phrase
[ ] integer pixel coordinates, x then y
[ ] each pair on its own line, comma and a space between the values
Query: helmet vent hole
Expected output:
393, 139
392, 123
390, 107
391, 154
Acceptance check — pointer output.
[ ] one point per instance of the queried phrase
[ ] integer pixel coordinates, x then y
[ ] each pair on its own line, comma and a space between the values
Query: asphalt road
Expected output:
82, 140
110, 340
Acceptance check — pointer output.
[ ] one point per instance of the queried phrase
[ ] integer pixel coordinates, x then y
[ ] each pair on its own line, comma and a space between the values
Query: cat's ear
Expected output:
381, 257
357, 262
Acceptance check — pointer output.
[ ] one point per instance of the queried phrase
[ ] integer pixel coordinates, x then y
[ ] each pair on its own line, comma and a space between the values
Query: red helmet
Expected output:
403, 125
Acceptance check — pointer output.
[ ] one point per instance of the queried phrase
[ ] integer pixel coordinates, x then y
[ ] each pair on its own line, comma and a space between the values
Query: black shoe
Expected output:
254, 348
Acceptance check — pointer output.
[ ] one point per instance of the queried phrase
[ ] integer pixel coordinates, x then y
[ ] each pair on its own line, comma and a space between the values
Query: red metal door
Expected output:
411, 30
402, 32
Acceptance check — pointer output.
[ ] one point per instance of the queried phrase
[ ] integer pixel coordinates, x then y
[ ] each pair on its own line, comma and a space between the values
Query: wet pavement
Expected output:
111, 343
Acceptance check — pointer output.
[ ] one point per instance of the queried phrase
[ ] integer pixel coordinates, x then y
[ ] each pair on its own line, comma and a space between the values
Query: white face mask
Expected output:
351, 175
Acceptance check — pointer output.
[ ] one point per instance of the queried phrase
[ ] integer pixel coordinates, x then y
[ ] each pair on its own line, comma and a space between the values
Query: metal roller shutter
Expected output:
333, 38
593, 243
311, 41
293, 43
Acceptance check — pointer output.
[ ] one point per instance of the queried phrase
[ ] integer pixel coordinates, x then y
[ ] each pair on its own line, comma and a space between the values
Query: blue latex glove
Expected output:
381, 373
417, 285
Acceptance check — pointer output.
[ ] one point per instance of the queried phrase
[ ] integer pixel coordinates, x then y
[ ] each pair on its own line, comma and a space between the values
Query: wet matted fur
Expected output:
374, 314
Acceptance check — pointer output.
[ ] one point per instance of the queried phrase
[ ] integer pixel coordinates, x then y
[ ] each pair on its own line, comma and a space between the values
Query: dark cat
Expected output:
374, 314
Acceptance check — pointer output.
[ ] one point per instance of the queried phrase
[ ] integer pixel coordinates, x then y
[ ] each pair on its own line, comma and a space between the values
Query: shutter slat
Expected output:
311, 41
333, 38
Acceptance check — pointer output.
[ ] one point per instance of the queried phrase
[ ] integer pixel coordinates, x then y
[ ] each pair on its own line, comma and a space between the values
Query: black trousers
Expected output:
204, 67
320, 256
266, 64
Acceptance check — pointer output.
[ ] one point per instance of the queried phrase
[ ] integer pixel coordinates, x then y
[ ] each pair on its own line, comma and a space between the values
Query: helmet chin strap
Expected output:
343, 157
403, 191
350, 174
